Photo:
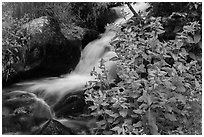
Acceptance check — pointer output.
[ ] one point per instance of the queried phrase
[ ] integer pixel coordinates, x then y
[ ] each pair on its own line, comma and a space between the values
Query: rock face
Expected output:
25, 113
70, 105
58, 53
89, 35
22, 111
53, 127
45, 51
109, 16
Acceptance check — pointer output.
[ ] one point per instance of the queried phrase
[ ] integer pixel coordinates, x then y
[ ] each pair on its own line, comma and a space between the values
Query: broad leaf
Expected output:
138, 124
171, 117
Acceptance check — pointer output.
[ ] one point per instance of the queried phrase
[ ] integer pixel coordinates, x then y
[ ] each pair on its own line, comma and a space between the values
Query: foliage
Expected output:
13, 55
160, 91
60, 11
159, 64
93, 15
83, 14
174, 15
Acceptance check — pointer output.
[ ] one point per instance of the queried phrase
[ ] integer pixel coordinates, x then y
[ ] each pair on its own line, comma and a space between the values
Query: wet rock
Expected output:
44, 50
10, 126
53, 127
88, 36
70, 105
107, 17
25, 113
21, 111
83, 34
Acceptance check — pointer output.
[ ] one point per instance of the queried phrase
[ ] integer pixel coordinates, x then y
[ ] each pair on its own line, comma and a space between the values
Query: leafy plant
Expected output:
160, 90
13, 55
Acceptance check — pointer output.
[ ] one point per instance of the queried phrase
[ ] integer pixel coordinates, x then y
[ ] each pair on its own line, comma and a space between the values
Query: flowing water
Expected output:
75, 81
52, 90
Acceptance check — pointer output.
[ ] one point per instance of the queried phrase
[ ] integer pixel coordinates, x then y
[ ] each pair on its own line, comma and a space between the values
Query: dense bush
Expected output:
13, 55
160, 91
91, 15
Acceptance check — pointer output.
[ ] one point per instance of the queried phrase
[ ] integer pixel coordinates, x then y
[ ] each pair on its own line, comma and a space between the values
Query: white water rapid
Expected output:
92, 53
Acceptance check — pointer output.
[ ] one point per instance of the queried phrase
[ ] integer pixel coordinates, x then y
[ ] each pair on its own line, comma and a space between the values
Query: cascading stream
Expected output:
75, 81
49, 91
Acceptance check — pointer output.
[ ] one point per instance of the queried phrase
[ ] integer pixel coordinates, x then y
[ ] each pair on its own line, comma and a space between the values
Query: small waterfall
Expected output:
55, 89
93, 52
77, 80
48, 91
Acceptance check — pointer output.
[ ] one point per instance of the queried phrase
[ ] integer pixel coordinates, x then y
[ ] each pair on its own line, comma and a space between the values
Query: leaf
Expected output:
172, 100
128, 121
200, 44
188, 28
160, 31
190, 39
93, 107
104, 104
197, 38
189, 76
180, 67
124, 105
179, 44
146, 98
123, 113
180, 89
141, 68
102, 122
162, 73
110, 120
116, 105
139, 124
168, 85
109, 112
138, 111
197, 84
145, 56
115, 115
168, 108
117, 121
192, 55
143, 106
119, 130
181, 98
141, 99
171, 117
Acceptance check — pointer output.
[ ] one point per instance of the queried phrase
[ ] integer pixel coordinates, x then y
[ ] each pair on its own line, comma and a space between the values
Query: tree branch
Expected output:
135, 14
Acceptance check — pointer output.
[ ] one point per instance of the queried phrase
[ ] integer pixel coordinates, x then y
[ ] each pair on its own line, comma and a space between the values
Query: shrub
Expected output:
13, 55
160, 91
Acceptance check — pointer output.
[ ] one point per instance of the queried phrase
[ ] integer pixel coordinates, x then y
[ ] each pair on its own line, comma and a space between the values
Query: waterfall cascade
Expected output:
91, 55
52, 90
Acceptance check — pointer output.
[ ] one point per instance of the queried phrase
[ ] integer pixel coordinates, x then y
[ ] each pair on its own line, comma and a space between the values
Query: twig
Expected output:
135, 14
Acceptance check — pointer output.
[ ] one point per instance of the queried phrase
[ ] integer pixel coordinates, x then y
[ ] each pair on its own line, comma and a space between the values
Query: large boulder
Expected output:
25, 113
45, 51
21, 111
70, 105
53, 127
83, 34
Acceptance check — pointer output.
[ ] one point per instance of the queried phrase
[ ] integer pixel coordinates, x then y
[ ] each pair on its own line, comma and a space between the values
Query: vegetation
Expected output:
160, 89
159, 64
